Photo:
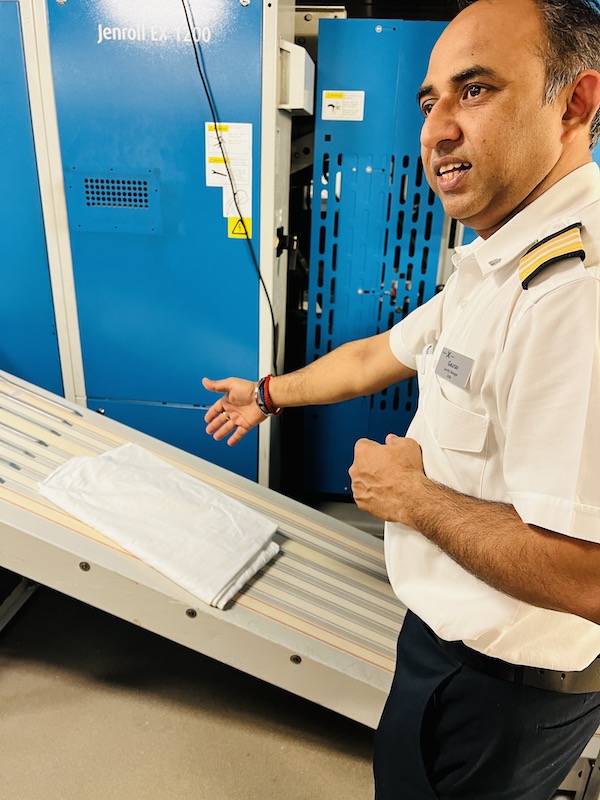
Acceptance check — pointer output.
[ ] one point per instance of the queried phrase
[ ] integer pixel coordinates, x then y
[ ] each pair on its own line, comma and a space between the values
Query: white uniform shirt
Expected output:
524, 430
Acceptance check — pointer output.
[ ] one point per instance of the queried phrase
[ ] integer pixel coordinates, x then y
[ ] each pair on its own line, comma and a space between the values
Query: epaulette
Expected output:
556, 247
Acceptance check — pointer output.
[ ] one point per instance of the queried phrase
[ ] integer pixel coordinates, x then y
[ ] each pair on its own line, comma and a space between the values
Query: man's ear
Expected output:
583, 100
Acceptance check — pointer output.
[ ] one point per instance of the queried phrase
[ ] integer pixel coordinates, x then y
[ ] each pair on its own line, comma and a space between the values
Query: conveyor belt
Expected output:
320, 620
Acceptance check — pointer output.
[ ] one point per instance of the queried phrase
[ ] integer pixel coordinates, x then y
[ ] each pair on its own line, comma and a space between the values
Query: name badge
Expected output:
454, 368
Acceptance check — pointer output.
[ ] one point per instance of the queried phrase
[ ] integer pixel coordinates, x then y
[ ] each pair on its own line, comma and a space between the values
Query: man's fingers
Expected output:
362, 444
238, 434
222, 386
215, 412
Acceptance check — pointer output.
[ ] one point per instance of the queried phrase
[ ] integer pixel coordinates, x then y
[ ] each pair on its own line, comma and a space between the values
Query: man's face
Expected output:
489, 144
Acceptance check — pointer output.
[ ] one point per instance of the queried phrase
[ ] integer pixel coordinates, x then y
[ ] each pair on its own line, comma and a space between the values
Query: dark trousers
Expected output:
449, 731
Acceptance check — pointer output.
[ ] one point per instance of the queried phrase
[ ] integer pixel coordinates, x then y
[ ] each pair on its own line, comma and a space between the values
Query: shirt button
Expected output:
463, 302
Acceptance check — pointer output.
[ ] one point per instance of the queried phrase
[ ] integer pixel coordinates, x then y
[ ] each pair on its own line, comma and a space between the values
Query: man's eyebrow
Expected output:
469, 74
424, 90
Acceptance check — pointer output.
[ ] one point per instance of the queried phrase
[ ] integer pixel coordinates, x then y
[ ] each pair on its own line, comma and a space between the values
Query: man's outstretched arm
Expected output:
353, 370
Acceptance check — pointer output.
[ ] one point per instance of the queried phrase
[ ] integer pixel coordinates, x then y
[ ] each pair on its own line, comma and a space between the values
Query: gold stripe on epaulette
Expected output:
563, 244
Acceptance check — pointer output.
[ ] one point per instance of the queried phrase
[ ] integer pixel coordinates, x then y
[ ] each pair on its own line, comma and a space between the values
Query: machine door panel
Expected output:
376, 226
28, 343
166, 291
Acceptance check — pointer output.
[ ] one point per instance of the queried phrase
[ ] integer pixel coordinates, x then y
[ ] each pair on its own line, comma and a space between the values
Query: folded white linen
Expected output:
203, 540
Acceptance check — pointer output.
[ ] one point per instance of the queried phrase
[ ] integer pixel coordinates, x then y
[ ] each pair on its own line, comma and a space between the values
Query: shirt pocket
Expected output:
455, 444
457, 428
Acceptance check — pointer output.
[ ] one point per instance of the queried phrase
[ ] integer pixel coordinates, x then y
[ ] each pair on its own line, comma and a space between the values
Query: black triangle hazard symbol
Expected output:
238, 229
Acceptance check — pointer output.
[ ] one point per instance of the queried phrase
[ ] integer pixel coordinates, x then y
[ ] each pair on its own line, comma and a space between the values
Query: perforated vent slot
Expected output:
376, 229
387, 246
115, 193
114, 201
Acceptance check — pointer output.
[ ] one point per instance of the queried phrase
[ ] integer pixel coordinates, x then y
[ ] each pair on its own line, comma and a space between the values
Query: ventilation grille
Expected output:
115, 193
114, 202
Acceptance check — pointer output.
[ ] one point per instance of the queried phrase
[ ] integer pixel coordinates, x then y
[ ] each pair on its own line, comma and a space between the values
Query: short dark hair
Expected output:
572, 46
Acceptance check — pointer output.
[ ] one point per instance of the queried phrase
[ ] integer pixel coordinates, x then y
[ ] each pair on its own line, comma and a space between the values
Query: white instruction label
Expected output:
343, 105
229, 165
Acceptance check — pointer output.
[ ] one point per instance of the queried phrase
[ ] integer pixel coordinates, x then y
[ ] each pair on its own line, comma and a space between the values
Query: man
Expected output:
492, 501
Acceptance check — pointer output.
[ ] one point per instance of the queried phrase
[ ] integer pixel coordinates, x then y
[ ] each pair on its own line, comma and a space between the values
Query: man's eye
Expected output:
473, 91
426, 108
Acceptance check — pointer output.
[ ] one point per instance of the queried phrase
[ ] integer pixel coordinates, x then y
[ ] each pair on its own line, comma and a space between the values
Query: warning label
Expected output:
229, 166
239, 227
343, 105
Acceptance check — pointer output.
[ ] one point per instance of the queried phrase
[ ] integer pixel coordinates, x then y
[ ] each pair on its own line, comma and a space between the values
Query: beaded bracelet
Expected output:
262, 399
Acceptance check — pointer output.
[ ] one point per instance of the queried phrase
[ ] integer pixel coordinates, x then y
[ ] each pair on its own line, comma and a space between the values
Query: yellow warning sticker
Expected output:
239, 228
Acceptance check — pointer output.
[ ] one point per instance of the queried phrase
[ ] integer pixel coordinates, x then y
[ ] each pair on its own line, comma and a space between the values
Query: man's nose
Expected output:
440, 125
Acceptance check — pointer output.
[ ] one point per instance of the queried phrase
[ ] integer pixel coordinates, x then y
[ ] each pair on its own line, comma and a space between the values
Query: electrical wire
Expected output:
189, 18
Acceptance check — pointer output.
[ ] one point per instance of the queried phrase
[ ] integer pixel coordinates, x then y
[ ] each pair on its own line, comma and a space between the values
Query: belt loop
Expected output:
519, 674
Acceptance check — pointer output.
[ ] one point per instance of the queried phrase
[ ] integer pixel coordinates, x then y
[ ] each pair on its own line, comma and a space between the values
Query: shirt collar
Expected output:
555, 209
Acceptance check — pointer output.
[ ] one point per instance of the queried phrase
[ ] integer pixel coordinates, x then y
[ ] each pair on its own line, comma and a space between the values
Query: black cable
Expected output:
189, 18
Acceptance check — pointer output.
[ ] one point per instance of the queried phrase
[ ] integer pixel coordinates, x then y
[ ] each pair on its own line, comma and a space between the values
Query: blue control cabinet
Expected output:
376, 226
28, 342
165, 293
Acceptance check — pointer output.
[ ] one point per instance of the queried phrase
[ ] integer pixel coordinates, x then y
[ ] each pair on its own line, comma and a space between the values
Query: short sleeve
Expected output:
548, 382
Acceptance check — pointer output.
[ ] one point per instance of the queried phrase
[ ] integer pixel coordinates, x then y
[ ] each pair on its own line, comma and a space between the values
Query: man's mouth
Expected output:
448, 172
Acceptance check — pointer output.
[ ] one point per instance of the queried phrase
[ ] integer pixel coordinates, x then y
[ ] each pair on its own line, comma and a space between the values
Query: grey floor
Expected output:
93, 708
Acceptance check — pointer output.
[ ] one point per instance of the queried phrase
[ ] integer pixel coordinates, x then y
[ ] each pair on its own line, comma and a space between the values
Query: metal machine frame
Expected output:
320, 620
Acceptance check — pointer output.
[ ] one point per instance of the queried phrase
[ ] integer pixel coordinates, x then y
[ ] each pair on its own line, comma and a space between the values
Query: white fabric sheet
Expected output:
203, 540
